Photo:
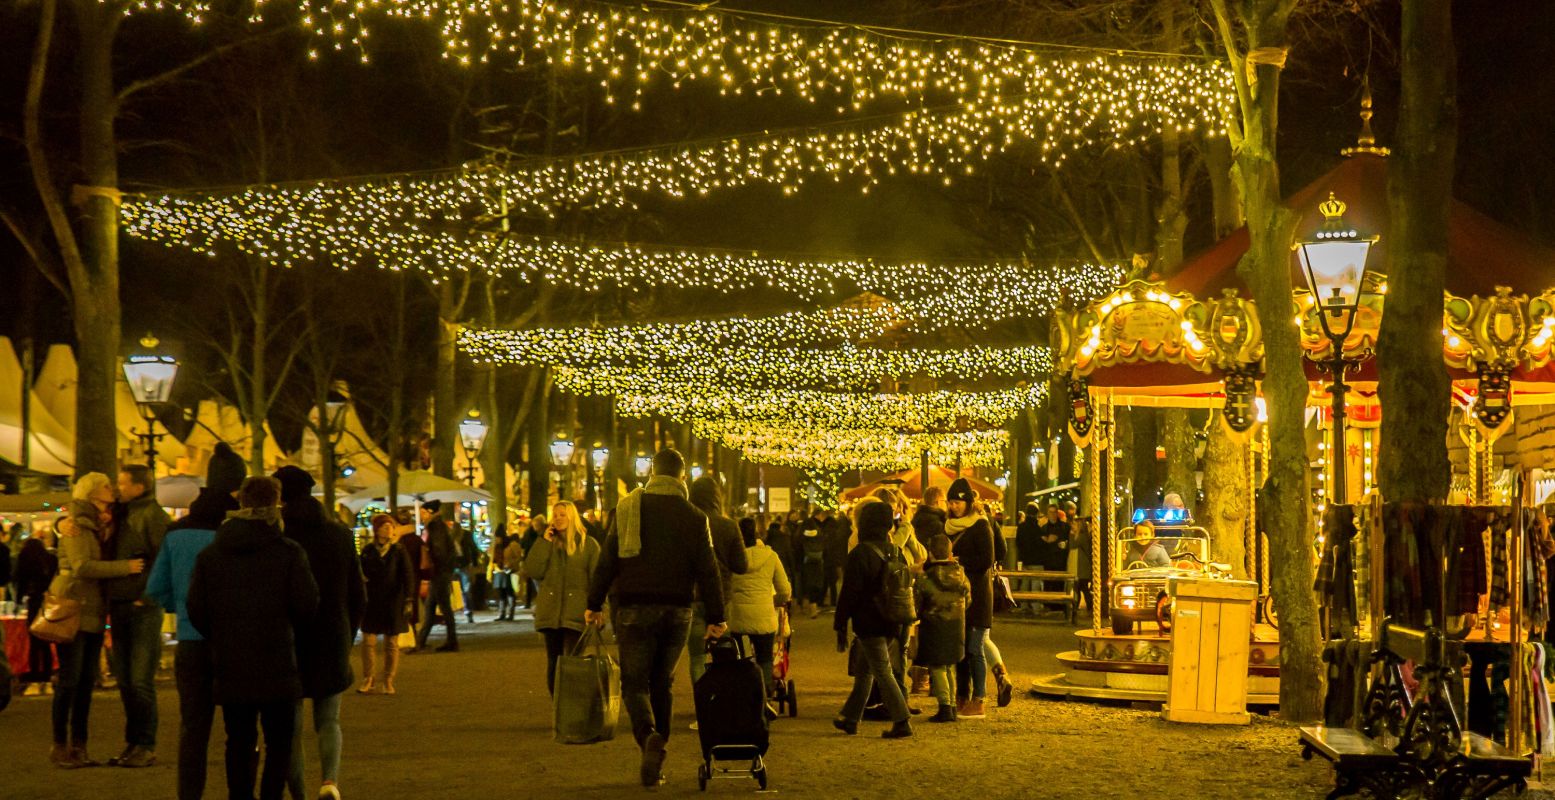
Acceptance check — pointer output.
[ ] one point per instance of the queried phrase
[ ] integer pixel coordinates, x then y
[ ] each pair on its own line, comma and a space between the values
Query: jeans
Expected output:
972, 672
940, 681
326, 723
193, 672
650, 639
439, 601
991, 653
761, 647
558, 642
73, 692
137, 647
813, 577
877, 651
696, 645
243, 722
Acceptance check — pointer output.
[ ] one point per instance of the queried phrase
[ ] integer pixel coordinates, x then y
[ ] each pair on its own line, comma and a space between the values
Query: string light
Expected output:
681, 354
640, 395
629, 48
831, 449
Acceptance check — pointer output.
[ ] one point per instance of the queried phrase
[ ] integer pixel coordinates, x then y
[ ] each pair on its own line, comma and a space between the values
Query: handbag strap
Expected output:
592, 638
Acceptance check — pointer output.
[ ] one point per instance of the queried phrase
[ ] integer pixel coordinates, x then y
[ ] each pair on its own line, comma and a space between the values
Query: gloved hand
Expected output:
842, 641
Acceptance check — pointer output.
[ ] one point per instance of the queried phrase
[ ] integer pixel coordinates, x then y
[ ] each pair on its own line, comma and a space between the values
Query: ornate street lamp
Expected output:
562, 449
598, 458
150, 376
1334, 261
644, 464
472, 436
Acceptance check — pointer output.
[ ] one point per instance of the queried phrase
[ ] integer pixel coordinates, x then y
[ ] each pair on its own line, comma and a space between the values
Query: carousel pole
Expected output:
1516, 685
1250, 522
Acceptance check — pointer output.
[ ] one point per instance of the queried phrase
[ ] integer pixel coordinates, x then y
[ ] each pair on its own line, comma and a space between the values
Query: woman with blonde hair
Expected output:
89, 523
389, 577
562, 561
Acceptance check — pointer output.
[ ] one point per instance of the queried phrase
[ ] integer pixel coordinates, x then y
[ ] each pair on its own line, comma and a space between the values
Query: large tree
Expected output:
1414, 387
1254, 37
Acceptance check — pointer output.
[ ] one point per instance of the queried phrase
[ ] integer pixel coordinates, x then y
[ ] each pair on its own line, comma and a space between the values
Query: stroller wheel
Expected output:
702, 775
793, 701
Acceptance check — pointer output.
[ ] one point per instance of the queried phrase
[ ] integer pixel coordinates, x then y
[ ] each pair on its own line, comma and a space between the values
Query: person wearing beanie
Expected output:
863, 582
169, 587
324, 643
250, 593
972, 540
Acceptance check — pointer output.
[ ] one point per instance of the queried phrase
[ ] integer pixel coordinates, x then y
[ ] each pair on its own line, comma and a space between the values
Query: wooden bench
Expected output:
1068, 597
1413, 748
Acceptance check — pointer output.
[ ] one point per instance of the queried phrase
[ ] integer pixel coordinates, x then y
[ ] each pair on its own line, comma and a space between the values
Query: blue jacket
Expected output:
169, 581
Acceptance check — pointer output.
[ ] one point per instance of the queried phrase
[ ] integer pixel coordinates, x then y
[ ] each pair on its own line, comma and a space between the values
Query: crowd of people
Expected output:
270, 593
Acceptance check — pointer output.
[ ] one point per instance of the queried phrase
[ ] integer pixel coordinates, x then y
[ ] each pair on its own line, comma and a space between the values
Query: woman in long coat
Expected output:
562, 561
390, 578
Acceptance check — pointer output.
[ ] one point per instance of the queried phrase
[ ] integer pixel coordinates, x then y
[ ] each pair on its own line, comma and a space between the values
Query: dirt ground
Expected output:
476, 724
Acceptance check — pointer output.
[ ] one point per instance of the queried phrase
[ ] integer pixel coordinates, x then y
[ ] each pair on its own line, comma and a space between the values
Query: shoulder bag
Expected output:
59, 620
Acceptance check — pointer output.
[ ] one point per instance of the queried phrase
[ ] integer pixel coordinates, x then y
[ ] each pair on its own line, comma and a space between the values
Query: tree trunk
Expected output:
1123, 456
1267, 270
95, 287
1413, 385
539, 421
494, 454
1225, 196
1148, 470
1226, 497
1181, 454
445, 398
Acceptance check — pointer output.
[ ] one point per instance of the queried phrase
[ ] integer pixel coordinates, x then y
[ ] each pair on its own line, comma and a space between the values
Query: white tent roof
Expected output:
51, 446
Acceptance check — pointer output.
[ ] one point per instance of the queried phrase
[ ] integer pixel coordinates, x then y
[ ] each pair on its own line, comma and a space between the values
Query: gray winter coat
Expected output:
564, 582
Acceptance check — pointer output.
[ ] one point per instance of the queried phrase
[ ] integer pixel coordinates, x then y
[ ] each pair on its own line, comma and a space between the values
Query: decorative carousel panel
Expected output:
1489, 334
1234, 331
1140, 322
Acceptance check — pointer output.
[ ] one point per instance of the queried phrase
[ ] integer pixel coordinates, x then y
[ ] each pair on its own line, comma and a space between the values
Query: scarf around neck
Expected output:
271, 515
629, 538
956, 526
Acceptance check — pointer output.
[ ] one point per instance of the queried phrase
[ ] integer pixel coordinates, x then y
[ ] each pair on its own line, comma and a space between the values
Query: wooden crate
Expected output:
1212, 622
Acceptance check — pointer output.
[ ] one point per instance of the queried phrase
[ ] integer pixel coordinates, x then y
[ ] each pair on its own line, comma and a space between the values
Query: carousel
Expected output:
1193, 341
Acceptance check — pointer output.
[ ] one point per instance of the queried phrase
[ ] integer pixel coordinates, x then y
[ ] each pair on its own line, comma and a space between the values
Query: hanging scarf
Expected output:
957, 526
629, 531
269, 514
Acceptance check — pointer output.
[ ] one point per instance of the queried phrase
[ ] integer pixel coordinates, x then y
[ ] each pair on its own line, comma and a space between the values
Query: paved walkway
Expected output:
476, 724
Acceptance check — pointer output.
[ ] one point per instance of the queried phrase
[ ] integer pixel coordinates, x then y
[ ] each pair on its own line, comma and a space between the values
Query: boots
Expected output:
391, 668
1006, 690
946, 713
972, 709
900, 730
841, 724
920, 680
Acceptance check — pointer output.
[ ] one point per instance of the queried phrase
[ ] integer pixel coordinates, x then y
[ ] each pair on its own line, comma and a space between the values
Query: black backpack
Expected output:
895, 600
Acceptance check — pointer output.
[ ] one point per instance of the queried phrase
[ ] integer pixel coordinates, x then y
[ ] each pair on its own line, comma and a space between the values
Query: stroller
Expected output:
731, 714
783, 696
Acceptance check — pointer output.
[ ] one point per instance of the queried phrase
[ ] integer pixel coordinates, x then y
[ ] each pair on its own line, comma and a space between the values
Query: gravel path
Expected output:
476, 724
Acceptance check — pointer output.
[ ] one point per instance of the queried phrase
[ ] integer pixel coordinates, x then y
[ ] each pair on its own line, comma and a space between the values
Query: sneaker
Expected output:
651, 771
1006, 690
329, 792
972, 710
139, 757
59, 755
79, 758
946, 713
33, 690
116, 760
850, 728
900, 730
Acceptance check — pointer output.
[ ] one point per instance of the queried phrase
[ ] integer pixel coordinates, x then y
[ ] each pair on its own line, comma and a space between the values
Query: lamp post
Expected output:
150, 376
644, 464
472, 436
562, 449
598, 458
1334, 261
331, 427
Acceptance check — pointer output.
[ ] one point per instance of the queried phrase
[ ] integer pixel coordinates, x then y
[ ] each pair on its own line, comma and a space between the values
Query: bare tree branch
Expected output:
135, 87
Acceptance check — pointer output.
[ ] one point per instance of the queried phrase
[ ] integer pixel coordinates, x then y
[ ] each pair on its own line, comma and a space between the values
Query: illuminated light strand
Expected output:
628, 48
640, 395
680, 355
831, 449
821, 328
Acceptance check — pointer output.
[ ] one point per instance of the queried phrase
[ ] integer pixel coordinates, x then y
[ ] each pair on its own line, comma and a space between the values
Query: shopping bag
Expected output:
587, 702
456, 596
406, 640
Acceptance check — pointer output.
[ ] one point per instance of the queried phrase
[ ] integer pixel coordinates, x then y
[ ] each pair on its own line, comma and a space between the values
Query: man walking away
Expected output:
135, 620
251, 591
168, 586
323, 645
728, 549
442, 554
658, 552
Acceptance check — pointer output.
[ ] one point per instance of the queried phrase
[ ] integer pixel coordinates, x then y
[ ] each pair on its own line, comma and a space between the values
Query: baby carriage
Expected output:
783, 696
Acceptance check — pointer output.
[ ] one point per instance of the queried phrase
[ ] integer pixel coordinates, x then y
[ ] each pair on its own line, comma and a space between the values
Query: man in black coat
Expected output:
324, 645
444, 558
250, 592
657, 557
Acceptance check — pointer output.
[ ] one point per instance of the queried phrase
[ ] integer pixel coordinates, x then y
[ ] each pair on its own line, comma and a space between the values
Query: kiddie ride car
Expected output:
1161, 544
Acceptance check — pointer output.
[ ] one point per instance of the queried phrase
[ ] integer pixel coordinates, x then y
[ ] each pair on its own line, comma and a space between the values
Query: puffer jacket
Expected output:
82, 568
942, 592
758, 592
564, 582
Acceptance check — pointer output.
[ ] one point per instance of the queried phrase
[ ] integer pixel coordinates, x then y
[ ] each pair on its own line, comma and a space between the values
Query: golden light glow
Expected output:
830, 449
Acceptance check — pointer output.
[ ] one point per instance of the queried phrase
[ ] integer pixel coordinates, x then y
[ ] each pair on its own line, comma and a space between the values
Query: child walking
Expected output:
942, 591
